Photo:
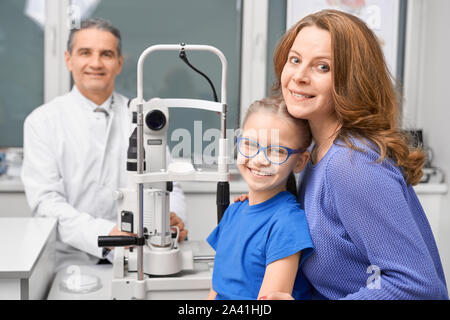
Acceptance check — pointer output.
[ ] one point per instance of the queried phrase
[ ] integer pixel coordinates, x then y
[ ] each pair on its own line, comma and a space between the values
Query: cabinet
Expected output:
27, 263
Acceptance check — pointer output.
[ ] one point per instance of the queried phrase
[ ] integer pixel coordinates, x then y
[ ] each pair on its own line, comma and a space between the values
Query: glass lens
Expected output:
277, 154
248, 148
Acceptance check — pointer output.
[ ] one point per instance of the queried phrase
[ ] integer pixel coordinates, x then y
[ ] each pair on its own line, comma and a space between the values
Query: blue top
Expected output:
248, 238
371, 236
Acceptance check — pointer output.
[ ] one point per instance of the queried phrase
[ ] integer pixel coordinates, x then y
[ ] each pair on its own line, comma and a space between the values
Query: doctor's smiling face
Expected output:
94, 63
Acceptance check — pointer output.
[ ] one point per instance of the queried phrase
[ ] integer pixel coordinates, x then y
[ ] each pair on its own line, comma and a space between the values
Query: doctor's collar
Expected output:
107, 105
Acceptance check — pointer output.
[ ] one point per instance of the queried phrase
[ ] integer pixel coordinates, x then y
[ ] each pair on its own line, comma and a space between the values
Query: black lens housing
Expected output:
155, 120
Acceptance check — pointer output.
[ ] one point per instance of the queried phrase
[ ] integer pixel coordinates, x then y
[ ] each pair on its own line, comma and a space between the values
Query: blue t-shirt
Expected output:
248, 238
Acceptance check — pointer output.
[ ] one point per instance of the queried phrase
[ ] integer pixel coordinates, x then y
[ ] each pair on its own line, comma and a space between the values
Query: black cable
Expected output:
183, 57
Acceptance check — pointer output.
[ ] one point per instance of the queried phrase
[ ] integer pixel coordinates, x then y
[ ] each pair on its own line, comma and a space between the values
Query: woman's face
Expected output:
306, 79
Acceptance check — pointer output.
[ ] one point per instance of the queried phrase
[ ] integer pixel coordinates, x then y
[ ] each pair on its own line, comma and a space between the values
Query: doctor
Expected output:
75, 149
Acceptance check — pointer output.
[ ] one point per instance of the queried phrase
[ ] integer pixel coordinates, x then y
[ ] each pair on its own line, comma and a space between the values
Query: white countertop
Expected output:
182, 280
10, 184
236, 186
21, 243
241, 187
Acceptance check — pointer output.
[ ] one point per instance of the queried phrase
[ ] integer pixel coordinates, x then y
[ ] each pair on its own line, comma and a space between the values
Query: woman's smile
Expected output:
300, 96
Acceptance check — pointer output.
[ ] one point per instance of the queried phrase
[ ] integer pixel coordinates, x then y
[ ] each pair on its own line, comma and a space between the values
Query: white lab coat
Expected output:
74, 158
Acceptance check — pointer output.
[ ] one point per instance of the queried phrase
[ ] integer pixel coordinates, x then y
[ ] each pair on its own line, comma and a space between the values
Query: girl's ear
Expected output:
303, 159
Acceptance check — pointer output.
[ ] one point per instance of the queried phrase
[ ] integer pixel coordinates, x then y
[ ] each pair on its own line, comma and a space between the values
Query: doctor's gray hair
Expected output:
96, 23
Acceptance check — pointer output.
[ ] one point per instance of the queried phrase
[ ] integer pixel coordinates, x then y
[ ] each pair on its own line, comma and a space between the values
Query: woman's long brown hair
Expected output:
363, 92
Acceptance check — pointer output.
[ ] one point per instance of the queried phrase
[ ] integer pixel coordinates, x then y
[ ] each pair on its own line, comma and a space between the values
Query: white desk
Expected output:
27, 264
185, 285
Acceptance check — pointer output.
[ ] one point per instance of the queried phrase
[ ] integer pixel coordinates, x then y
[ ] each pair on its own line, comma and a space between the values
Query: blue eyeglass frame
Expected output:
289, 150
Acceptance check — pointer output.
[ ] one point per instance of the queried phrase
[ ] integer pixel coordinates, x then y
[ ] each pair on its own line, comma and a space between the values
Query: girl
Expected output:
371, 235
260, 242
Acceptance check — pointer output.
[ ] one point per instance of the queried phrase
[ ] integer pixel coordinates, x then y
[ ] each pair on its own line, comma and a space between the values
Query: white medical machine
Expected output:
143, 206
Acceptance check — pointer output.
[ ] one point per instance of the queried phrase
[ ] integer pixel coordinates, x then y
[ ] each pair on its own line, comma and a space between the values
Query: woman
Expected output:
371, 236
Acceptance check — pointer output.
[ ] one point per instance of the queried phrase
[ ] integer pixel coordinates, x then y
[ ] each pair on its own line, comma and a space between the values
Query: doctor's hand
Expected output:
117, 232
176, 221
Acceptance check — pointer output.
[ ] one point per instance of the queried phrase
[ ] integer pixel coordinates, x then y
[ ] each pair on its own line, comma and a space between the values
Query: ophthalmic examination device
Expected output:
143, 205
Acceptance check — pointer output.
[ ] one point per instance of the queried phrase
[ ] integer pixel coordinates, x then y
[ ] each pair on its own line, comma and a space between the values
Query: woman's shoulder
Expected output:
346, 164
364, 152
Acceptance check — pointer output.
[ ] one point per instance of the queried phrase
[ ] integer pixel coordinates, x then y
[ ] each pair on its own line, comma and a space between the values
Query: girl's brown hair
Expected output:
277, 106
363, 92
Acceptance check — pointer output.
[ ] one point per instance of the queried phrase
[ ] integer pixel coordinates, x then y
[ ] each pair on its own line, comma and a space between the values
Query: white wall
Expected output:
427, 92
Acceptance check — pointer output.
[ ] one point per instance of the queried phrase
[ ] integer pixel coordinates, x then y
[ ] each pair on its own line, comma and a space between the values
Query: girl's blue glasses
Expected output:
275, 154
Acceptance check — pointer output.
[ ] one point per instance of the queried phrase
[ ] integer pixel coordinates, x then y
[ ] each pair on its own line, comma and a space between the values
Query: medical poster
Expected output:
382, 16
